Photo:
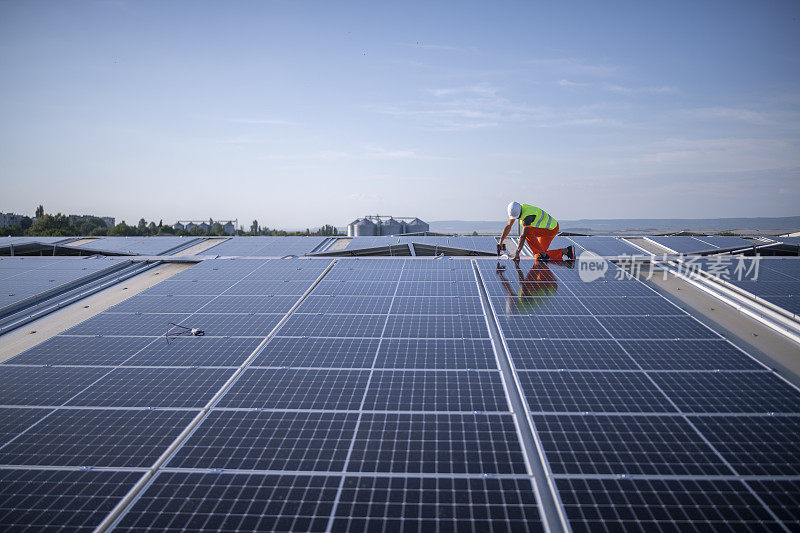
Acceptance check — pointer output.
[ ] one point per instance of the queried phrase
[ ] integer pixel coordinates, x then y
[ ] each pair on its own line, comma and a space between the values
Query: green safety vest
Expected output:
536, 217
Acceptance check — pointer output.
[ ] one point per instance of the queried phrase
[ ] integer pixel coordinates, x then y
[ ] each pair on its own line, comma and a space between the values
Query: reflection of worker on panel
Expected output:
535, 287
539, 230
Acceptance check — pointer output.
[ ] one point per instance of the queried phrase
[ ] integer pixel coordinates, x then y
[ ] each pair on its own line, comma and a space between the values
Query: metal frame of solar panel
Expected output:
383, 400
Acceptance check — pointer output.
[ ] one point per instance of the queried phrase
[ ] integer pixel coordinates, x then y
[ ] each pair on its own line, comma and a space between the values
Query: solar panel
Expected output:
754, 445
782, 497
313, 352
153, 387
580, 392
626, 445
656, 327
437, 288
551, 327
44, 385
729, 392
549, 354
436, 354
437, 443
430, 504
689, 355
269, 441
435, 305
194, 351
157, 324
607, 246
356, 305
322, 325
436, 326
659, 505
297, 389
435, 391
224, 502
97, 437
71, 500
65, 350
15, 421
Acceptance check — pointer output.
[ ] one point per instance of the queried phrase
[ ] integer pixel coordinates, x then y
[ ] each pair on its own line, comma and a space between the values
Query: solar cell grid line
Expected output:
275, 440
551, 327
516, 305
437, 443
96, 438
45, 386
437, 504
329, 325
14, 421
663, 505
437, 288
194, 352
626, 445
657, 327
64, 500
755, 445
338, 304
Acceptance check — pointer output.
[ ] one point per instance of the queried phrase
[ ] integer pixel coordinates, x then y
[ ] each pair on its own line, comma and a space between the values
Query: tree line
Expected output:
58, 225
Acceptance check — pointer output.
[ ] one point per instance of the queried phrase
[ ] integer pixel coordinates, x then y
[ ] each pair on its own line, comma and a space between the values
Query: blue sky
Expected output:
305, 113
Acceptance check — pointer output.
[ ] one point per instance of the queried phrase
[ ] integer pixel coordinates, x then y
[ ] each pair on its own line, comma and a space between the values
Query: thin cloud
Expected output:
574, 66
270, 121
619, 89
439, 47
732, 113
481, 89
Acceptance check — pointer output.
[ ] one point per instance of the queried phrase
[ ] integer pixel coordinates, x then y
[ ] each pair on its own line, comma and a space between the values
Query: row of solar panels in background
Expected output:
777, 279
466, 242
609, 376
25, 277
690, 245
266, 246
136, 245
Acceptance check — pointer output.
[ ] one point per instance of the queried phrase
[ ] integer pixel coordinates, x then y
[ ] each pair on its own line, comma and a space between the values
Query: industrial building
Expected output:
386, 382
228, 226
373, 226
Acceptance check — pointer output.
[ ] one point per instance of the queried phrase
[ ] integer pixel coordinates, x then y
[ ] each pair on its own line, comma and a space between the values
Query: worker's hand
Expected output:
500, 268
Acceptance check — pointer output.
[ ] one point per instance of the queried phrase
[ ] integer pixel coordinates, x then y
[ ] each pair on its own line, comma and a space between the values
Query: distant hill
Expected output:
776, 224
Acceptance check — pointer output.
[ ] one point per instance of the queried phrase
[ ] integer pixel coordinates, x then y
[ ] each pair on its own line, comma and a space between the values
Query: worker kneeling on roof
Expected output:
538, 229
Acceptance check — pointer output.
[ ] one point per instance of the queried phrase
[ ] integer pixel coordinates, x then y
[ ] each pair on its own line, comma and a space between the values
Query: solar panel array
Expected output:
775, 279
465, 242
25, 277
378, 404
266, 246
137, 245
606, 246
691, 245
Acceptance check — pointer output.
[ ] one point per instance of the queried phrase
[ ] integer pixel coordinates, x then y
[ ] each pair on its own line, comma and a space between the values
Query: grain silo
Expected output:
416, 226
364, 228
391, 227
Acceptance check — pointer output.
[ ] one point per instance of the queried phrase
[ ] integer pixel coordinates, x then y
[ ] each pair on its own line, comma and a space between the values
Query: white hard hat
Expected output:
514, 209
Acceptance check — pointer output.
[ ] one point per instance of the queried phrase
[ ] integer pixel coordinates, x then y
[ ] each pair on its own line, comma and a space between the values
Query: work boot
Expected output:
570, 253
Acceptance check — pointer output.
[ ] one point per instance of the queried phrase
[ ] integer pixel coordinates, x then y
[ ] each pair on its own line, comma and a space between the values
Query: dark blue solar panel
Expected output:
437, 504
297, 389
97, 437
162, 303
357, 305
435, 305
437, 443
645, 445
662, 505
154, 387
656, 327
312, 352
195, 351
269, 441
436, 326
634, 306
569, 354
15, 421
44, 385
60, 500
190, 287
63, 350
729, 392
551, 327
227, 502
153, 325
689, 355
250, 304
782, 497
608, 246
755, 445
438, 274
561, 305
436, 354
356, 288
606, 288
592, 392
267, 287
322, 325
435, 391
437, 288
